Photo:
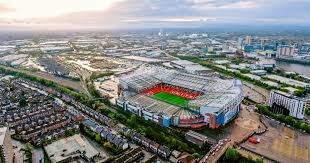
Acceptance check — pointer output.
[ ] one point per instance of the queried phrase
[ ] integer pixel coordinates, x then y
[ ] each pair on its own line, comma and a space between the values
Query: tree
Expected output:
302, 126
22, 102
98, 138
259, 161
196, 155
300, 93
231, 154
133, 120
107, 145
288, 120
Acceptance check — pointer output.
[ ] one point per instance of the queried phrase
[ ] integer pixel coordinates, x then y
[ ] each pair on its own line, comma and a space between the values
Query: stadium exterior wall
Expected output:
215, 116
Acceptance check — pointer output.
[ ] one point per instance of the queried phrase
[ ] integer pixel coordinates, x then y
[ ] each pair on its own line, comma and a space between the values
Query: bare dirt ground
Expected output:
77, 85
255, 93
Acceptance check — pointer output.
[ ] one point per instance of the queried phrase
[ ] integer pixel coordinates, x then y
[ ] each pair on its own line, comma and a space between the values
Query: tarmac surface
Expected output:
281, 143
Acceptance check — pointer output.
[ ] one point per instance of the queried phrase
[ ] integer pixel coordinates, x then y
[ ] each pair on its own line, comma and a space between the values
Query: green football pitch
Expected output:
171, 99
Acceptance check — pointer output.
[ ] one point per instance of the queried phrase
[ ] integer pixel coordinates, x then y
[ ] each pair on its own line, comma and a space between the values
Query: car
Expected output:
213, 154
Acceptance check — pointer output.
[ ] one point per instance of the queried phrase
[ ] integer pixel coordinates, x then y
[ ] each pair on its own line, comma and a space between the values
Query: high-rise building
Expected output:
248, 40
263, 42
285, 51
6, 147
287, 104
240, 41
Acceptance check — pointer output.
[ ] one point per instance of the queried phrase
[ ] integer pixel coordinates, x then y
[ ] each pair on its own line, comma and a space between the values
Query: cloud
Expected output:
222, 4
157, 13
4, 8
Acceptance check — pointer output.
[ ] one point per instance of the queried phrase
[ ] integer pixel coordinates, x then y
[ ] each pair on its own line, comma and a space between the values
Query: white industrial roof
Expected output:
64, 148
3, 130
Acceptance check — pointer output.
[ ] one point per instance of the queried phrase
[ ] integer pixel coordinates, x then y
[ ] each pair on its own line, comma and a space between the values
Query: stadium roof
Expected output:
216, 100
217, 93
148, 77
153, 106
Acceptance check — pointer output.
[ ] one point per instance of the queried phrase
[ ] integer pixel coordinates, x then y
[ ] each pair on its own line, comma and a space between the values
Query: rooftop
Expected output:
68, 147
153, 105
2, 134
149, 76
288, 81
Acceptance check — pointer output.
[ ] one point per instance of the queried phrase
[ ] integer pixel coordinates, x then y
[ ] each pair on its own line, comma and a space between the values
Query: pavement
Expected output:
281, 143
38, 155
19, 154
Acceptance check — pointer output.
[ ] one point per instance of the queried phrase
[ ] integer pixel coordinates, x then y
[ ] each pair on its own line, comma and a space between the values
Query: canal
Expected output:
299, 68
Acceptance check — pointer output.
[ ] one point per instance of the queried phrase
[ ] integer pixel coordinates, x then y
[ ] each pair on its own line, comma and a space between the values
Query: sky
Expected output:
53, 14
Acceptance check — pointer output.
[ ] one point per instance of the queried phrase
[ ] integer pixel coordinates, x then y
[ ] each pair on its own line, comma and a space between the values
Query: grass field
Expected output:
171, 99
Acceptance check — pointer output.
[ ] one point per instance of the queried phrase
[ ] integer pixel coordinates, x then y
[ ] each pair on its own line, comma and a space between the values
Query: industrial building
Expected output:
289, 81
206, 101
196, 138
69, 149
190, 67
287, 104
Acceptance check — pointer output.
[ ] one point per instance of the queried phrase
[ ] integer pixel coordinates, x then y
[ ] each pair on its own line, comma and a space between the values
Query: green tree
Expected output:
300, 92
196, 155
22, 102
231, 154
288, 120
98, 138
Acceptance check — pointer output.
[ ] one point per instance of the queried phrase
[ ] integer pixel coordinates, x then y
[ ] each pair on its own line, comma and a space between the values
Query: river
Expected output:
299, 68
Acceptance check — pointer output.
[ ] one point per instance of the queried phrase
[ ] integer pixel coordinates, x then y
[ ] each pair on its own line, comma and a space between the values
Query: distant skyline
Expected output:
107, 14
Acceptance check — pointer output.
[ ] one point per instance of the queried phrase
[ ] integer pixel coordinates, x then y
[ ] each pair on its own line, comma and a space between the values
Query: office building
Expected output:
284, 51
287, 104
248, 40
240, 41
6, 148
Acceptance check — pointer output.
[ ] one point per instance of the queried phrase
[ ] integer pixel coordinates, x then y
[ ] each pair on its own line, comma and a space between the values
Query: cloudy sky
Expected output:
150, 13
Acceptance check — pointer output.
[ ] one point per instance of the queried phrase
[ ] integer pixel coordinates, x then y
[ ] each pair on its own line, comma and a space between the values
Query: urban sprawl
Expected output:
156, 96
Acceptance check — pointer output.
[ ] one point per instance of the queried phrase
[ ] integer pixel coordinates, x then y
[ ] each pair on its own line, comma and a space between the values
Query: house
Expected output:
153, 146
137, 137
164, 151
90, 124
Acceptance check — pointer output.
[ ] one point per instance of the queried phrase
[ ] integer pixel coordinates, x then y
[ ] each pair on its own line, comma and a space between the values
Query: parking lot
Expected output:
281, 143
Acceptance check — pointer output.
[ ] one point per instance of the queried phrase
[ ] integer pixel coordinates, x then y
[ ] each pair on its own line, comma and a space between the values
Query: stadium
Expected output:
174, 98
